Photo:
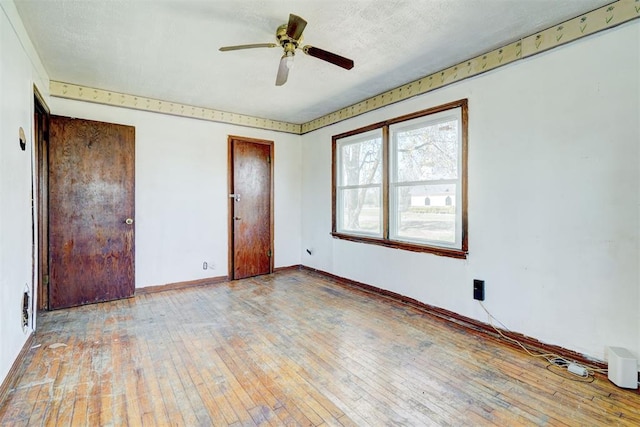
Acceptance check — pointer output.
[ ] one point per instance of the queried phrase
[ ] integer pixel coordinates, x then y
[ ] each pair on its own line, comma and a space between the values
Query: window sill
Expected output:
451, 253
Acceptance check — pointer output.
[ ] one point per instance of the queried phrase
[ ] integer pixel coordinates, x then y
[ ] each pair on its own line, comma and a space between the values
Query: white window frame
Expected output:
417, 123
341, 186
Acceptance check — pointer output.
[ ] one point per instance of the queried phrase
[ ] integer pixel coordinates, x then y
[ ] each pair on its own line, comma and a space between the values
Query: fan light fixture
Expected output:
289, 37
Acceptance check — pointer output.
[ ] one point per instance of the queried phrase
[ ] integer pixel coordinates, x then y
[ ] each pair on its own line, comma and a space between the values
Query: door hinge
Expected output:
268, 159
45, 279
269, 253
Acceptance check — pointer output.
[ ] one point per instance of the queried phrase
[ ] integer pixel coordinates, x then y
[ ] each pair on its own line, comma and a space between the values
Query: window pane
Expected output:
427, 152
360, 210
426, 213
361, 161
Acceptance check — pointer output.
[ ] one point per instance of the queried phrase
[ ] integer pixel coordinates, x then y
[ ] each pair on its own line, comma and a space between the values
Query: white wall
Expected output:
20, 69
181, 191
553, 199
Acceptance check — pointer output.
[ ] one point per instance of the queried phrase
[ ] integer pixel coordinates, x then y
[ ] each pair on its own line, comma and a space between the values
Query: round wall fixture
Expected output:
23, 139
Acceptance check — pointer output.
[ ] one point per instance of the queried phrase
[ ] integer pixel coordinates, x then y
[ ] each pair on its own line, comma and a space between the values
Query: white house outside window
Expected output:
426, 163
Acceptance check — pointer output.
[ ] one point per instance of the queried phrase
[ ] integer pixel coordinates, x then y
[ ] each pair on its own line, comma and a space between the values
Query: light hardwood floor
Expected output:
292, 348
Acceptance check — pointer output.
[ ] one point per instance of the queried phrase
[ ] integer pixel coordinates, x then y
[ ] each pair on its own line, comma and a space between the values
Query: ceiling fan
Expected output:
289, 36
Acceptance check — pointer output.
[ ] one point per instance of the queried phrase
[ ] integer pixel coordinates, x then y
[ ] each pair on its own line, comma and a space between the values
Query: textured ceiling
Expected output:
168, 50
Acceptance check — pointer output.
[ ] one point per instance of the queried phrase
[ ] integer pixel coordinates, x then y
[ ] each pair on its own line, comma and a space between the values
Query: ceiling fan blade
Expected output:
283, 70
295, 27
247, 46
325, 55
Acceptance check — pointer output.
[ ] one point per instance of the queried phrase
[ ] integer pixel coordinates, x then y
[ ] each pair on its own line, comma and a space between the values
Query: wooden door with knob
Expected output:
91, 212
250, 207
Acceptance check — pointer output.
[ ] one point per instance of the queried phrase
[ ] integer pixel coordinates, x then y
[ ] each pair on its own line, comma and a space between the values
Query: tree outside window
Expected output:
360, 184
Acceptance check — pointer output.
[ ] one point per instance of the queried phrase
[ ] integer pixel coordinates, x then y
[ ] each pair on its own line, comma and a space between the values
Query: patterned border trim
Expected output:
592, 22
99, 96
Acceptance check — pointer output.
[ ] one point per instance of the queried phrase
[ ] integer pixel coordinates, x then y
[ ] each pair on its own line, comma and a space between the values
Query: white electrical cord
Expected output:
552, 358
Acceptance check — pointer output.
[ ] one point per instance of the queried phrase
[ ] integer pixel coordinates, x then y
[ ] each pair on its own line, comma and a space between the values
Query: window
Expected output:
402, 183
359, 186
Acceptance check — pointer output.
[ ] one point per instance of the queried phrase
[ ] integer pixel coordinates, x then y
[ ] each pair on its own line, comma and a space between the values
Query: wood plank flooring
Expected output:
292, 348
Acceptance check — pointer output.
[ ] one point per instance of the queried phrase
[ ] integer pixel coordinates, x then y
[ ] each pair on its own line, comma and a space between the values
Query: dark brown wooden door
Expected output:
250, 207
91, 211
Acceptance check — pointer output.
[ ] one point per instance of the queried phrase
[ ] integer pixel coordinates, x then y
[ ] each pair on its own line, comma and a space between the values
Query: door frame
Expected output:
230, 200
41, 214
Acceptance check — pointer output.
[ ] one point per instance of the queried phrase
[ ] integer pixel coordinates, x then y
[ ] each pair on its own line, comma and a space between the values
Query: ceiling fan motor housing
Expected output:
288, 44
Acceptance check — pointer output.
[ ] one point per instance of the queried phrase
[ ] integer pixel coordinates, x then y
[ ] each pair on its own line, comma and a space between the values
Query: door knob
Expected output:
128, 221
237, 218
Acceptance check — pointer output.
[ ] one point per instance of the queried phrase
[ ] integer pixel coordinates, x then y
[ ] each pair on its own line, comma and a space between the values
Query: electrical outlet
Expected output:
478, 289
205, 265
